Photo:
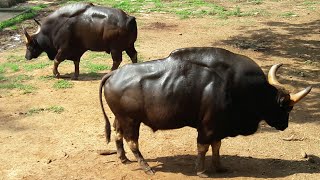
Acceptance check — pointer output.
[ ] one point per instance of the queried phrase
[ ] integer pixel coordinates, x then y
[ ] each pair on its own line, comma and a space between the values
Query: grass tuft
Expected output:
54, 109
31, 67
62, 84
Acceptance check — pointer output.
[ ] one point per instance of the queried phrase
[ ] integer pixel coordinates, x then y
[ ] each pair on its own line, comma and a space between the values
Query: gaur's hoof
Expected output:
202, 174
125, 161
57, 75
74, 78
149, 171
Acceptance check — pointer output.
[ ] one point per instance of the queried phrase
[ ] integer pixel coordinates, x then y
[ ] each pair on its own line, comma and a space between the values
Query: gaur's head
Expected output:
33, 47
281, 101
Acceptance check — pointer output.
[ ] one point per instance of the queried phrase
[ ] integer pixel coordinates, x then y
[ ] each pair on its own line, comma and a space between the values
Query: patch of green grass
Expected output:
27, 15
8, 65
255, 1
184, 9
2, 69
54, 109
127, 6
15, 58
308, 3
257, 12
22, 77
34, 111
15, 82
93, 74
96, 67
31, 67
288, 14
96, 55
3, 78
311, 5
45, 78
62, 84
12, 85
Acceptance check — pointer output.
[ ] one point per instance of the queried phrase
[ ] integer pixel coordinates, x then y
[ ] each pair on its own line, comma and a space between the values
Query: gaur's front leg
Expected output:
55, 68
200, 162
216, 164
57, 60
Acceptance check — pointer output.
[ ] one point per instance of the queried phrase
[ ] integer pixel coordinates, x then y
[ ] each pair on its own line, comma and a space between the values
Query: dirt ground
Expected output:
65, 146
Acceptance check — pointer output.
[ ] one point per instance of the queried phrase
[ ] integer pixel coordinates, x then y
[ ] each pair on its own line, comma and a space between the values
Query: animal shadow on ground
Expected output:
84, 76
240, 166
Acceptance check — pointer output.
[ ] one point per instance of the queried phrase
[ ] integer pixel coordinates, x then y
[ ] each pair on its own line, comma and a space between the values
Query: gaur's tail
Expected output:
107, 125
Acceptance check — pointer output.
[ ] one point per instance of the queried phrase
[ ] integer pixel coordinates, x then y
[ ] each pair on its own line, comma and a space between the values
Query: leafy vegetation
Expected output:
62, 84
15, 58
96, 67
28, 14
184, 9
14, 85
45, 78
8, 65
54, 109
40, 65
288, 14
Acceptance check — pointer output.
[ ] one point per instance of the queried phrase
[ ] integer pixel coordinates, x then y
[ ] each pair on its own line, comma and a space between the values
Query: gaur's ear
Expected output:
27, 36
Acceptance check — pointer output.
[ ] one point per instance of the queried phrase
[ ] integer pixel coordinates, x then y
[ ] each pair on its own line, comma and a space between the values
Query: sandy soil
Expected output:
64, 146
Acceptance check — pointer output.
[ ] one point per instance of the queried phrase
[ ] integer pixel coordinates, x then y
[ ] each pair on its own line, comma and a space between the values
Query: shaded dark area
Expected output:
289, 44
10, 122
91, 76
240, 166
292, 41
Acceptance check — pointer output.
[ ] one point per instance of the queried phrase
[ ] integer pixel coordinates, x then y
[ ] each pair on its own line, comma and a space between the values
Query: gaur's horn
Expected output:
39, 26
28, 38
37, 22
272, 79
298, 96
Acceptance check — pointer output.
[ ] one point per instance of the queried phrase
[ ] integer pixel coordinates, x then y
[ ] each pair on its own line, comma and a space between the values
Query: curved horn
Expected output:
28, 37
37, 22
39, 26
298, 96
272, 79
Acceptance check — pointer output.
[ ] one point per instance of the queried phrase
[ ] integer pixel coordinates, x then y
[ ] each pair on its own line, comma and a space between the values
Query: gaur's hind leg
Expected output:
76, 69
119, 142
216, 164
117, 58
132, 53
131, 135
200, 162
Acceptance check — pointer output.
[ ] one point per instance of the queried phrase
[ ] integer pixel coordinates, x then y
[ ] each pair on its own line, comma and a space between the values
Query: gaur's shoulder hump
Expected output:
71, 10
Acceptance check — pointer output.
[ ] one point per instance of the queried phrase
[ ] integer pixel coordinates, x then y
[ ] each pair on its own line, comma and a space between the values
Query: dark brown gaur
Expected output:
73, 29
220, 93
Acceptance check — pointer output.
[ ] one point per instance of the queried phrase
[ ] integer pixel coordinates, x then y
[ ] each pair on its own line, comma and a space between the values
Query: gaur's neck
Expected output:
45, 43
